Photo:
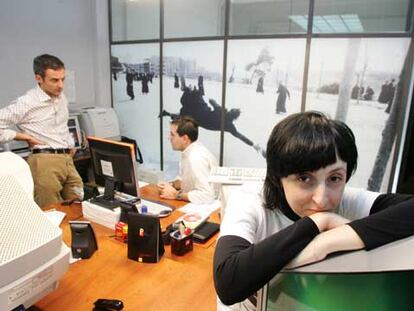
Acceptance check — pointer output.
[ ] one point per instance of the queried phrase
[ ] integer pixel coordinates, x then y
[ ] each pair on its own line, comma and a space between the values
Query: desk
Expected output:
175, 283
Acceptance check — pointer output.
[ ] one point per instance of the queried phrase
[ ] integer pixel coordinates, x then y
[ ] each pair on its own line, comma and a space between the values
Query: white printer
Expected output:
99, 122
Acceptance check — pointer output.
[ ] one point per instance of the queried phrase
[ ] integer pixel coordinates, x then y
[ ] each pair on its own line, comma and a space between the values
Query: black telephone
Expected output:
138, 155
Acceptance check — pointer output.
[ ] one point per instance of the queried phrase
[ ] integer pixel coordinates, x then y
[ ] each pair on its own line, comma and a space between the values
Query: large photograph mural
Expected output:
264, 84
354, 80
192, 86
136, 96
351, 79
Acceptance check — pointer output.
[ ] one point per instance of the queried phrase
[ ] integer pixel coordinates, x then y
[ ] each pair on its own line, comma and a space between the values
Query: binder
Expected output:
205, 231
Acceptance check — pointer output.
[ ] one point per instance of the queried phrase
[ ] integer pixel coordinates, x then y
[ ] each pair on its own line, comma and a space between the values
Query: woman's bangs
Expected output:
308, 157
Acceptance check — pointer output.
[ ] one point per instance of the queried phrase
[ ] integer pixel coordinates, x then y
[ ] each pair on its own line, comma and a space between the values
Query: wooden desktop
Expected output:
174, 283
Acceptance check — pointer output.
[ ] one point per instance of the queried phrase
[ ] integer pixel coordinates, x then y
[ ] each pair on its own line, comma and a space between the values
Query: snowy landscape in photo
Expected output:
139, 119
374, 63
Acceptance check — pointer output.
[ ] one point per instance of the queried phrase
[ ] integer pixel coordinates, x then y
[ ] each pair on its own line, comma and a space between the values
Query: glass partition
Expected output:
135, 20
338, 16
254, 17
193, 18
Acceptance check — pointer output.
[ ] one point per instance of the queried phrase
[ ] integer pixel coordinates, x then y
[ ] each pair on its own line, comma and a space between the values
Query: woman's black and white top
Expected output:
256, 243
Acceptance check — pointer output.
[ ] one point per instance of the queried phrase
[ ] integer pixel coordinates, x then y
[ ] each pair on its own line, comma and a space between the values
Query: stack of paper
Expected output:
55, 216
197, 214
101, 215
202, 209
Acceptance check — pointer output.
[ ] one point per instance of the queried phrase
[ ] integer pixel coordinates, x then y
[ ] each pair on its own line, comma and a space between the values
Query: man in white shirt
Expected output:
41, 117
195, 165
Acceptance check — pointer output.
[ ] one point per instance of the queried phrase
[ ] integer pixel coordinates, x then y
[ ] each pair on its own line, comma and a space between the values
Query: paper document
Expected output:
202, 209
142, 183
55, 217
72, 259
101, 215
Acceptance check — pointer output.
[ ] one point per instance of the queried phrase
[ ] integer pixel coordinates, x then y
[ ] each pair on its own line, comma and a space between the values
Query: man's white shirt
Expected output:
40, 116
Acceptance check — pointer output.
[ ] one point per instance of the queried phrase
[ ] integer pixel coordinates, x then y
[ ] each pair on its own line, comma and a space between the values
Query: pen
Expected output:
177, 234
182, 228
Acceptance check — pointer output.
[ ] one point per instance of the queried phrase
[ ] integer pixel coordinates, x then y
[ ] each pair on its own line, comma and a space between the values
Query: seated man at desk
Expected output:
303, 211
41, 115
195, 165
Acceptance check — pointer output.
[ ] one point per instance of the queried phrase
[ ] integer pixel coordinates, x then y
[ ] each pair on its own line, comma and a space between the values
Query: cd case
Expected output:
205, 231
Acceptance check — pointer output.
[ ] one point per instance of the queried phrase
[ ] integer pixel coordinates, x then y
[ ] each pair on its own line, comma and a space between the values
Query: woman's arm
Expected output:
386, 200
342, 238
391, 219
241, 268
235, 256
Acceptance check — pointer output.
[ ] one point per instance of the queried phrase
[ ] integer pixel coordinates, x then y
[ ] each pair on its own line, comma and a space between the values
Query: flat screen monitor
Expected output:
74, 130
113, 163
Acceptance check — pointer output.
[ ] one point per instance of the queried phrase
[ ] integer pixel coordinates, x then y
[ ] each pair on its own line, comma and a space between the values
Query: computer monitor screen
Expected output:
113, 163
74, 130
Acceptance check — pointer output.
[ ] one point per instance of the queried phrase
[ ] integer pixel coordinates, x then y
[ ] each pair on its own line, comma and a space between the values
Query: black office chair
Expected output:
138, 155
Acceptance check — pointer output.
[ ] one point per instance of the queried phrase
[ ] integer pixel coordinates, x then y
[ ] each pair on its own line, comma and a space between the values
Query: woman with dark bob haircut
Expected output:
303, 211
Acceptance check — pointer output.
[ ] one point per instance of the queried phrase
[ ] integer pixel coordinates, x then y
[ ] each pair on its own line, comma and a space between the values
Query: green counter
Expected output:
378, 280
380, 291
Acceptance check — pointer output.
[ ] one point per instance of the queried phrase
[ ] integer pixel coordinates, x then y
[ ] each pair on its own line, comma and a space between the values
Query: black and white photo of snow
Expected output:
264, 82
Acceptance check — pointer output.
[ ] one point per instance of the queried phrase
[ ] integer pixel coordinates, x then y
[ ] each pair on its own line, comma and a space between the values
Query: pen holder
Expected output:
180, 243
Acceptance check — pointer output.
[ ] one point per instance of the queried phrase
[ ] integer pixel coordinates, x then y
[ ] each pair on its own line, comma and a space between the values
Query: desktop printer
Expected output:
32, 255
99, 122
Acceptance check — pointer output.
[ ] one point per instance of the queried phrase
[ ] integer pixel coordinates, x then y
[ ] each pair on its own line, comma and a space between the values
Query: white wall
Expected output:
76, 31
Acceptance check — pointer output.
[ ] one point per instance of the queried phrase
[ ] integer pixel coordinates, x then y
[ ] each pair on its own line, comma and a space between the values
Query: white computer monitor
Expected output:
32, 255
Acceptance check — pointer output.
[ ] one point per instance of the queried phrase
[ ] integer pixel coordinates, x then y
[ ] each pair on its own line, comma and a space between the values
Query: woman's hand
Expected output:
327, 220
341, 238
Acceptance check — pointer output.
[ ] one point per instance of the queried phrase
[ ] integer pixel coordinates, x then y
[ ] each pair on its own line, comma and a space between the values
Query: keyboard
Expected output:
236, 175
124, 197
120, 200
155, 208
108, 204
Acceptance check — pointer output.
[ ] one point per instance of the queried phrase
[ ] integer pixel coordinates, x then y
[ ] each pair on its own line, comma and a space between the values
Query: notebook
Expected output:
205, 231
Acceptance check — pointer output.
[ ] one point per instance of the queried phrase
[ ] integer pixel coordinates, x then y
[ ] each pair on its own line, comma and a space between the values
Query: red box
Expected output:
121, 232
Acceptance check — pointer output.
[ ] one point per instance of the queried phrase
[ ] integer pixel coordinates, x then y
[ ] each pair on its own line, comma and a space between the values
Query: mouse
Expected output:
108, 304
164, 213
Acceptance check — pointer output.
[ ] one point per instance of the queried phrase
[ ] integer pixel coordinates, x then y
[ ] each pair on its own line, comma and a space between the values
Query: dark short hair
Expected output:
186, 126
305, 142
45, 61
